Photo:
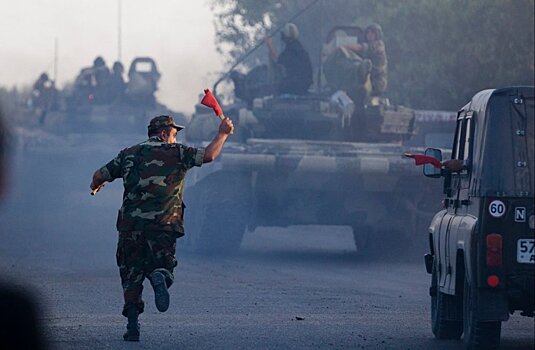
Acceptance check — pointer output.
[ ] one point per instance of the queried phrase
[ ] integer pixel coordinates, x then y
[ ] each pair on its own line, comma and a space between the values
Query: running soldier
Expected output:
151, 217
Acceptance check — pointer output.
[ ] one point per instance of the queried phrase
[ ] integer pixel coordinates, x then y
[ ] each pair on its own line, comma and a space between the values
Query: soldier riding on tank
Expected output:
44, 96
294, 65
374, 49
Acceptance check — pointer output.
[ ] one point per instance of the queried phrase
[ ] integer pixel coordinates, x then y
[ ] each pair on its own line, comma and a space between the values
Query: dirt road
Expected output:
295, 288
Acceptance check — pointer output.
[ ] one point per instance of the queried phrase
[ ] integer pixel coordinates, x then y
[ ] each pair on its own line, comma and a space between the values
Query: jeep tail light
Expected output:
493, 281
494, 250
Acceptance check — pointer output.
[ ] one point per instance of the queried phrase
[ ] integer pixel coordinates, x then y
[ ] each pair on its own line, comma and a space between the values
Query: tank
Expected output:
320, 159
52, 162
98, 101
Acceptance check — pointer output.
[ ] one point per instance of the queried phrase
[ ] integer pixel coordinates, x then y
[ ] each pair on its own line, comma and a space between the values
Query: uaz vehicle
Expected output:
482, 257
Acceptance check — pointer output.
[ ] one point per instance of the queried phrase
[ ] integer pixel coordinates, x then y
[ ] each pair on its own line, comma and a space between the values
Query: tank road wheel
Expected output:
441, 305
478, 334
217, 217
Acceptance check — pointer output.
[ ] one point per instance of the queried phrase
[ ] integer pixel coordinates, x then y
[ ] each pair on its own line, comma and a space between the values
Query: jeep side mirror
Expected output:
429, 169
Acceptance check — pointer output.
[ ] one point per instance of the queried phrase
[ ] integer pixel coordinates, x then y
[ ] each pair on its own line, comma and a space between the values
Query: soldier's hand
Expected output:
268, 41
453, 165
226, 127
95, 188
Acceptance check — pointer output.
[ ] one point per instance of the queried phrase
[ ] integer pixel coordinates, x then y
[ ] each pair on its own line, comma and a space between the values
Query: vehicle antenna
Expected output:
320, 63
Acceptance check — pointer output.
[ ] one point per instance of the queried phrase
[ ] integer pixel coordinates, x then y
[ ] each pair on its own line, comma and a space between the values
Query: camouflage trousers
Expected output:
139, 253
379, 81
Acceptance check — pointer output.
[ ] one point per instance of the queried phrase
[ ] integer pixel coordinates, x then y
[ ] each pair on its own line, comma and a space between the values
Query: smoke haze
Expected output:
179, 35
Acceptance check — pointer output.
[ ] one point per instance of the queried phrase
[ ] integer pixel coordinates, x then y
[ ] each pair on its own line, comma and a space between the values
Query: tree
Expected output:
440, 52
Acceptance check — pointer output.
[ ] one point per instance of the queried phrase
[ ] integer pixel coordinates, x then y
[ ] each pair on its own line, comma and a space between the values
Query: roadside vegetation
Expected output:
440, 52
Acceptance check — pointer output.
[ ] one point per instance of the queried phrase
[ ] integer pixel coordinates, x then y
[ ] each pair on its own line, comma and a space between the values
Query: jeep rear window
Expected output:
507, 162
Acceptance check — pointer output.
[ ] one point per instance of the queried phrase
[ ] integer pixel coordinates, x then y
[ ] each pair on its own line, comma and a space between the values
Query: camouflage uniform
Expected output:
376, 52
151, 217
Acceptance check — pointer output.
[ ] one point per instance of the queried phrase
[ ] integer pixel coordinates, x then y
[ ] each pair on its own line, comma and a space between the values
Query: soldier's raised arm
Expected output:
213, 150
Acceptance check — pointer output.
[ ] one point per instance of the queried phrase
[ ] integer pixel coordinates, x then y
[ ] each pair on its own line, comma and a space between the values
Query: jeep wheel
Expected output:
443, 305
478, 334
217, 216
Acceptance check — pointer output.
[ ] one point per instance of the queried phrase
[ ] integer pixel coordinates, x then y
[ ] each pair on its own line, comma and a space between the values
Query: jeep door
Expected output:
462, 220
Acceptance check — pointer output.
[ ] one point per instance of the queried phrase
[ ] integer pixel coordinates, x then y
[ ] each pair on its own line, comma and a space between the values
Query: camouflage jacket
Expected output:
376, 52
153, 175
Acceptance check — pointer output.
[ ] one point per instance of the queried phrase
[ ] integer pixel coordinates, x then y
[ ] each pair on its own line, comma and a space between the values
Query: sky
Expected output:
178, 34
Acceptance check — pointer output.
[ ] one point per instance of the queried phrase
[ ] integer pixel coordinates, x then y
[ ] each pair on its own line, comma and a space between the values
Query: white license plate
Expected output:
525, 252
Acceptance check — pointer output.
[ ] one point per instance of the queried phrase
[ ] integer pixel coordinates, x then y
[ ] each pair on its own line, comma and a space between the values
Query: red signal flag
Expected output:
209, 100
420, 159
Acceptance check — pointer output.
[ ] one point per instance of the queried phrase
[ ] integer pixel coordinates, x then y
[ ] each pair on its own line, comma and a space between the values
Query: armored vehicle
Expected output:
98, 100
482, 257
319, 159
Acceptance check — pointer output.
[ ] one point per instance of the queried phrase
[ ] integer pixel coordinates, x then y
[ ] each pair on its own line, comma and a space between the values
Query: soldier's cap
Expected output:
163, 121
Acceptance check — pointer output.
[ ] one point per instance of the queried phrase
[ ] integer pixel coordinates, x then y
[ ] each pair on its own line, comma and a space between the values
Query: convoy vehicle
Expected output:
482, 257
81, 106
318, 159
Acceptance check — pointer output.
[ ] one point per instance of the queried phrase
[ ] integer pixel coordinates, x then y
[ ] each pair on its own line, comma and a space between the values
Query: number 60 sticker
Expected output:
497, 208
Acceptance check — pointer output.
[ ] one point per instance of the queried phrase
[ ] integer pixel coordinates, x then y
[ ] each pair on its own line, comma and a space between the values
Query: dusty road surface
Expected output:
58, 239
295, 288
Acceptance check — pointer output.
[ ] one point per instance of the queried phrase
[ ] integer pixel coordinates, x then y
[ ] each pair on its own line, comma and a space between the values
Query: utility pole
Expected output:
119, 29
322, 39
56, 60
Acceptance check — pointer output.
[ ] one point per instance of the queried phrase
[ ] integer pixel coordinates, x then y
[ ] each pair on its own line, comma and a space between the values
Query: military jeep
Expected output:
482, 257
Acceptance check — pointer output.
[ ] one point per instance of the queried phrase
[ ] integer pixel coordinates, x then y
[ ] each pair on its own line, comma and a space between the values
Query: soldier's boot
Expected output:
132, 327
161, 294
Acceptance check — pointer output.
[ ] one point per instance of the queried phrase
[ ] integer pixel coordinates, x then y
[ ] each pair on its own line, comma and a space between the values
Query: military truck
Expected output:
319, 159
482, 257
